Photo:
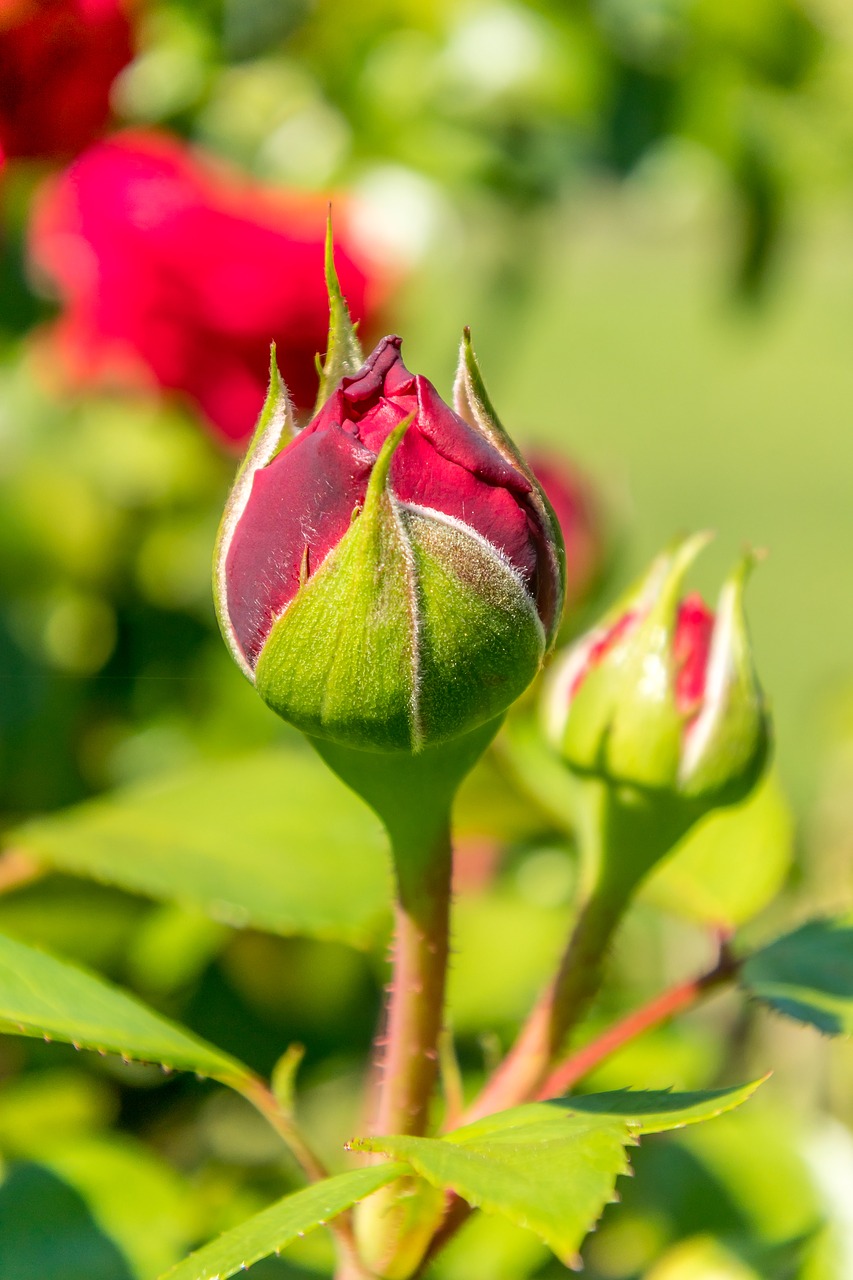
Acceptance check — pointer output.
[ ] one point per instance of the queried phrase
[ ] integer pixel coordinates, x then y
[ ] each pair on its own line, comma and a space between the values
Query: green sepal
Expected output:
472, 402
340, 661
623, 721
727, 747
274, 430
413, 631
480, 641
344, 355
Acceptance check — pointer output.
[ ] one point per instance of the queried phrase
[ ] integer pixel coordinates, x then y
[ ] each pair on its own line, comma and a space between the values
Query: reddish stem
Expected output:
676, 1000
525, 1068
413, 1022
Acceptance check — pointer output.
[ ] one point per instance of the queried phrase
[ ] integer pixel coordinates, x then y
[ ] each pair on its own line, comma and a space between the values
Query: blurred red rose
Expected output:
58, 59
578, 508
177, 272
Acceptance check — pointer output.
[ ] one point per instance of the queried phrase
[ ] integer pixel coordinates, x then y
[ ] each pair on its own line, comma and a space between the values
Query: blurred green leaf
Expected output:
51, 1107
41, 995
282, 1223
485, 992
552, 1166
758, 1160
92, 1209
272, 840
807, 975
731, 865
136, 1199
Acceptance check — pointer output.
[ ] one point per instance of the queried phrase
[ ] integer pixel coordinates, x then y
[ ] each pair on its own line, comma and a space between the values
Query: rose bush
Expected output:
174, 273
58, 59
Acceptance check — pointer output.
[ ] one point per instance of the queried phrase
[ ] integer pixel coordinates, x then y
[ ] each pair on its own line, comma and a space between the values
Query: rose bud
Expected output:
663, 694
391, 576
58, 59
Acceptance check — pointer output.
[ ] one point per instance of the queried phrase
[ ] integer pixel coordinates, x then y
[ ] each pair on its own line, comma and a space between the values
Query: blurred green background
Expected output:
644, 209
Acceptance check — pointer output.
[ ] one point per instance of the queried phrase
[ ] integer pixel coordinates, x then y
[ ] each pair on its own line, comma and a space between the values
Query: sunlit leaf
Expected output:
553, 1175
272, 840
731, 865
807, 975
552, 1166
41, 995
656, 1110
278, 1226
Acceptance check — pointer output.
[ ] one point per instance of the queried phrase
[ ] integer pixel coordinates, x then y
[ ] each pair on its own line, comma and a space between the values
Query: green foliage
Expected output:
272, 841
41, 995
807, 975
554, 1176
550, 1166
658, 1110
278, 1226
136, 1199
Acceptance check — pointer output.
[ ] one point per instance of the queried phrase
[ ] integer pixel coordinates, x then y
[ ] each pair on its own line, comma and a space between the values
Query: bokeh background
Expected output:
644, 210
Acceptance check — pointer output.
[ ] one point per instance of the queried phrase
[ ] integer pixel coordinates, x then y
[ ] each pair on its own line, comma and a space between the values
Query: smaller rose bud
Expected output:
663, 694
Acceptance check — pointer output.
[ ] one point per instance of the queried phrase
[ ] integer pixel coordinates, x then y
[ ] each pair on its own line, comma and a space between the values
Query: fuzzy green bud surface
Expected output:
662, 695
390, 577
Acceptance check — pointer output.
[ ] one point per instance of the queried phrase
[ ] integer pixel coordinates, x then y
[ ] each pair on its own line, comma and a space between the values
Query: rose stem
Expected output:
408, 1045
264, 1100
677, 999
621, 836
578, 977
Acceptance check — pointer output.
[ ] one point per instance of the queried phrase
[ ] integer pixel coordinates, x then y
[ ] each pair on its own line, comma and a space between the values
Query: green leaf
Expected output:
807, 975
553, 1174
135, 1198
731, 865
271, 840
278, 1226
657, 1110
343, 351
552, 1166
41, 995
484, 992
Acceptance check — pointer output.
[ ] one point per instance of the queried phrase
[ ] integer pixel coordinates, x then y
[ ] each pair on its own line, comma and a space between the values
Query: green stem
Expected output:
662, 1009
676, 1000
623, 834
413, 795
415, 1013
265, 1101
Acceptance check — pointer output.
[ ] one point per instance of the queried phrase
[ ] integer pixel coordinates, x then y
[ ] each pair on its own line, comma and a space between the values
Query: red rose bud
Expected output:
176, 273
663, 693
579, 512
58, 59
390, 577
